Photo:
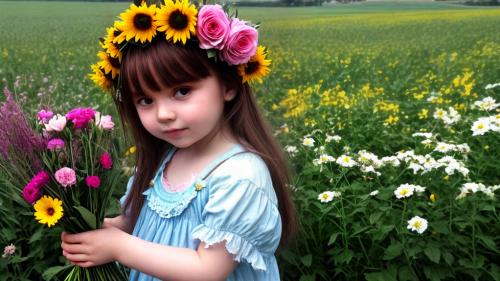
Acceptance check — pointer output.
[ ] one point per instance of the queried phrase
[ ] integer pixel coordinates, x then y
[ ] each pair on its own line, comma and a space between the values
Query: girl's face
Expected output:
183, 115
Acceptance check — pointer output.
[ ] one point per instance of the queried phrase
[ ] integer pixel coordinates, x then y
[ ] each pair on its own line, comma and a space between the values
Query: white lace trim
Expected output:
167, 209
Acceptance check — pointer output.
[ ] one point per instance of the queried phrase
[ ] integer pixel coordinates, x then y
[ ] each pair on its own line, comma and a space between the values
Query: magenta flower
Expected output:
32, 190
80, 116
45, 115
31, 193
93, 181
65, 176
212, 27
106, 161
241, 44
55, 143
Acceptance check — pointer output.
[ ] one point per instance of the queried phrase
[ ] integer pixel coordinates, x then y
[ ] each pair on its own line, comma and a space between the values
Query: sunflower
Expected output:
139, 23
109, 64
100, 78
119, 34
177, 20
112, 48
48, 210
256, 68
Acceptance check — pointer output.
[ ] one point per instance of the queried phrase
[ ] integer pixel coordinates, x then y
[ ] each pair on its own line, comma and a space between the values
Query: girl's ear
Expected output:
229, 94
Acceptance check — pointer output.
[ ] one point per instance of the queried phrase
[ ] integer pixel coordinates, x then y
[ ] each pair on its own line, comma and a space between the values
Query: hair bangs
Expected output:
162, 65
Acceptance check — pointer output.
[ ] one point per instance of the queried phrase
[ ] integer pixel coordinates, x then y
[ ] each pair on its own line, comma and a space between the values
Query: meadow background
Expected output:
350, 86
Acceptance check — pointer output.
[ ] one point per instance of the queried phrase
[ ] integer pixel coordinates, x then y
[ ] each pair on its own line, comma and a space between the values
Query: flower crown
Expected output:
225, 38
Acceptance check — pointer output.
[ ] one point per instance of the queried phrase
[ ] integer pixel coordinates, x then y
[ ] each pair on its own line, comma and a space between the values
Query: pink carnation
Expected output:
105, 121
241, 44
80, 116
66, 176
93, 181
32, 190
212, 27
31, 193
55, 144
106, 161
9, 250
45, 115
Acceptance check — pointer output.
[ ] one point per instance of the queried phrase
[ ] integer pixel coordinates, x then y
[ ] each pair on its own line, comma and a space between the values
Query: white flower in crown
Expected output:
199, 185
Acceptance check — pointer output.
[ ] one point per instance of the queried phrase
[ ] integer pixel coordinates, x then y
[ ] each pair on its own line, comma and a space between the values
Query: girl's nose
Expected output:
165, 113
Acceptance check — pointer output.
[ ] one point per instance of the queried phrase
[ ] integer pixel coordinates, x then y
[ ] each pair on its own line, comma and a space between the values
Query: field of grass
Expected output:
360, 80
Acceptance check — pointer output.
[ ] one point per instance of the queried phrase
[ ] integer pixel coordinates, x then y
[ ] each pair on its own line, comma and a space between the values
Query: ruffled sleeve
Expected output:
244, 216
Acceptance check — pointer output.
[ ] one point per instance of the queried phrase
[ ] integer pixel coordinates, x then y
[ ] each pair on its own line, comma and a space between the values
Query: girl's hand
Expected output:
92, 248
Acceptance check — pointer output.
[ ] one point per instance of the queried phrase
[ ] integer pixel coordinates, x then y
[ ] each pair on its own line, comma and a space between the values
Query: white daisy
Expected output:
491, 86
292, 150
326, 196
346, 161
374, 193
417, 224
308, 142
422, 134
403, 191
488, 103
323, 158
481, 126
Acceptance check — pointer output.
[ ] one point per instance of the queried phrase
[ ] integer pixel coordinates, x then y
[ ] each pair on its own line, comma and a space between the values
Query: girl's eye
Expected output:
143, 101
182, 92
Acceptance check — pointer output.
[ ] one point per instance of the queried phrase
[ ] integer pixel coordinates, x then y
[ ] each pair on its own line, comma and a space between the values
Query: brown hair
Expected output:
165, 65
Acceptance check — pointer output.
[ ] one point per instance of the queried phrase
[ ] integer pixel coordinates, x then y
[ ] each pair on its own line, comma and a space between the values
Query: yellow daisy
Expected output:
177, 20
112, 48
256, 68
100, 78
48, 210
139, 23
109, 64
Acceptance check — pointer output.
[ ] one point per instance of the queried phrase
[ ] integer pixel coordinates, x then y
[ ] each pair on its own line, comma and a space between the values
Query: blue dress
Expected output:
232, 200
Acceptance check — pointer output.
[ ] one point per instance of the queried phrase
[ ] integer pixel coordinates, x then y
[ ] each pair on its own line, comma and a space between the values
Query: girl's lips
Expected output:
175, 132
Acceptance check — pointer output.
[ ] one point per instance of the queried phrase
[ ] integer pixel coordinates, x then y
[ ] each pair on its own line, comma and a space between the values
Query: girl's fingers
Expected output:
74, 248
82, 264
72, 238
76, 258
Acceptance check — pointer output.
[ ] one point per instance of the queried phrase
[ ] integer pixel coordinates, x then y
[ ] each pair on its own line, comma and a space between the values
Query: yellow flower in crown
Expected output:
109, 64
177, 19
100, 78
48, 210
256, 68
139, 23
120, 35
109, 45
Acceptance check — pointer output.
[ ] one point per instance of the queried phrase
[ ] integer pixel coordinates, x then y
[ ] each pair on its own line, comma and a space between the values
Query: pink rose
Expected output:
45, 115
66, 176
55, 143
241, 43
93, 181
106, 161
213, 27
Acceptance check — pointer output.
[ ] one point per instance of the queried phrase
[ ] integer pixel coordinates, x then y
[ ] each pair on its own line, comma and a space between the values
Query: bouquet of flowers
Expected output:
65, 164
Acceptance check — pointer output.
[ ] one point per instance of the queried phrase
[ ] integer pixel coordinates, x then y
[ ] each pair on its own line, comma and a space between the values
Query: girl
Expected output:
209, 199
